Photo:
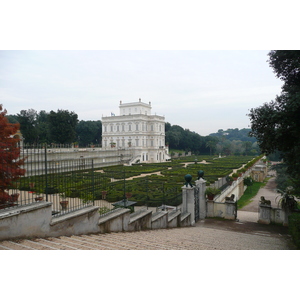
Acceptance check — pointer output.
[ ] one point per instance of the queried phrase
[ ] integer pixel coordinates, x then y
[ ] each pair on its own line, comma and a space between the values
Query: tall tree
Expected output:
212, 144
42, 125
276, 125
89, 132
27, 120
62, 126
247, 147
10, 162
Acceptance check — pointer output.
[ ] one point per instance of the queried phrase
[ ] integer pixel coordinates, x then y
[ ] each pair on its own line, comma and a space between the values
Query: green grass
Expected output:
251, 192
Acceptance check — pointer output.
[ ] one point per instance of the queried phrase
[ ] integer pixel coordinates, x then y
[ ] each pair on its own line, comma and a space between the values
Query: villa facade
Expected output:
137, 130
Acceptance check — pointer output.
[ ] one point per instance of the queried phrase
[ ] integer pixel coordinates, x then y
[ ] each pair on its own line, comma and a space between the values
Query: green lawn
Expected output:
251, 192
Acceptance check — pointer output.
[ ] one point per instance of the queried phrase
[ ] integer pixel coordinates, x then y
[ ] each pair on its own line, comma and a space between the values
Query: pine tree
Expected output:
10, 162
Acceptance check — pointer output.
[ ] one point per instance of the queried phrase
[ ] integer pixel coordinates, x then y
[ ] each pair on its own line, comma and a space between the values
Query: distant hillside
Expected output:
235, 134
229, 142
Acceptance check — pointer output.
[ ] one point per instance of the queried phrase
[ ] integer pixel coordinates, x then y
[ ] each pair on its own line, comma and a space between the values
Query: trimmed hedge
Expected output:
294, 228
152, 189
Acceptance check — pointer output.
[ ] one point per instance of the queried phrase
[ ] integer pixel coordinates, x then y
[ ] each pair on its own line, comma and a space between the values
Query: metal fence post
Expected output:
46, 173
93, 182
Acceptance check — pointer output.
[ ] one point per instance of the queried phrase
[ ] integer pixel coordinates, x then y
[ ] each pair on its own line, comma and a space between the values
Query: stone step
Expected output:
127, 241
199, 237
145, 241
37, 245
101, 243
56, 244
12, 245
150, 240
107, 241
78, 243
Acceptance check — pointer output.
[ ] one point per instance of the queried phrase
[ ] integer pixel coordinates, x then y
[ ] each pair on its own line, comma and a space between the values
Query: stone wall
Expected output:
269, 214
35, 220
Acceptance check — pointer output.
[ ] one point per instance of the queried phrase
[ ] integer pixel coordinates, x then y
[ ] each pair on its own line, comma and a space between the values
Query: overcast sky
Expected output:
131, 57
199, 90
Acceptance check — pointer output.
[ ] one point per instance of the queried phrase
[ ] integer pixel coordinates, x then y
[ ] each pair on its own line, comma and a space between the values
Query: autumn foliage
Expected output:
10, 162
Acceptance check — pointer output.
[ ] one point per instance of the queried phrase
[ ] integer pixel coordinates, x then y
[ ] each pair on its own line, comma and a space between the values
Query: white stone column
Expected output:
201, 184
188, 202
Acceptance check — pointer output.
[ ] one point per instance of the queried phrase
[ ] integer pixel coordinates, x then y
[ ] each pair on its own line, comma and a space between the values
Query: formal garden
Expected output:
145, 184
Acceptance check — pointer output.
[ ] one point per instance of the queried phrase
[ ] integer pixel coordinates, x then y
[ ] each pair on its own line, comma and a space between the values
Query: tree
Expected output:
10, 162
247, 147
27, 120
12, 118
212, 144
89, 132
174, 136
43, 127
62, 125
286, 65
276, 125
167, 126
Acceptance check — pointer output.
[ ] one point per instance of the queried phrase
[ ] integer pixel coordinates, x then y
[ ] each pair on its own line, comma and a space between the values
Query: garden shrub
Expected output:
154, 188
104, 210
294, 228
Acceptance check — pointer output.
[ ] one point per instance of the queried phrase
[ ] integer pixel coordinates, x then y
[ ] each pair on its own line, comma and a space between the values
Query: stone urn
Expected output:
64, 204
128, 195
104, 193
14, 197
39, 198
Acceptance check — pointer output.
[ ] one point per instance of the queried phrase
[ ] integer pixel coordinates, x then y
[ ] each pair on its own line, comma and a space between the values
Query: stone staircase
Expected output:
199, 237
143, 240
119, 230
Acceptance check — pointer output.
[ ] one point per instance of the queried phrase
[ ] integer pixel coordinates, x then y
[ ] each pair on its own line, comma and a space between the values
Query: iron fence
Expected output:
52, 181
74, 183
125, 188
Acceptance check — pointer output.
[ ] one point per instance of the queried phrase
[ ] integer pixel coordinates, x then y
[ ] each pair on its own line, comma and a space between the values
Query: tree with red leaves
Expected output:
10, 162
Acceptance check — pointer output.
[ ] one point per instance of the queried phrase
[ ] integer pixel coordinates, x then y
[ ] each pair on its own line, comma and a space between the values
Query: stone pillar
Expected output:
230, 210
188, 202
210, 209
264, 214
201, 184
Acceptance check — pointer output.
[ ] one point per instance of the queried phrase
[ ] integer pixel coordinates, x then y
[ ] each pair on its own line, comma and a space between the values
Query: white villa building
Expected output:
137, 131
